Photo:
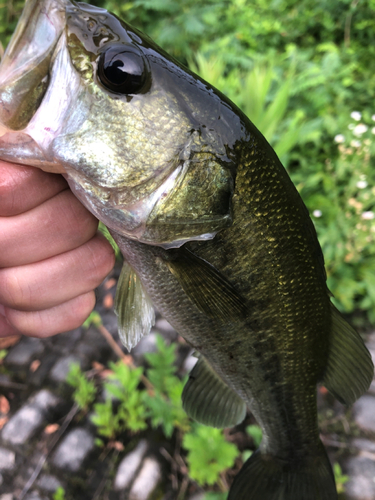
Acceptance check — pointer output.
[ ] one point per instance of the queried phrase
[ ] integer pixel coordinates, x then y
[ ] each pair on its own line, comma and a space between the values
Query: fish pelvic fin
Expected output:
264, 477
350, 369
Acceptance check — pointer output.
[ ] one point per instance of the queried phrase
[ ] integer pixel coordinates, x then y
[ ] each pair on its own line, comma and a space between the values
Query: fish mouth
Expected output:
24, 78
24, 68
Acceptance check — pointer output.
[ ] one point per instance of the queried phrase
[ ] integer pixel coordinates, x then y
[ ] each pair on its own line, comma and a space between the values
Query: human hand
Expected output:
51, 256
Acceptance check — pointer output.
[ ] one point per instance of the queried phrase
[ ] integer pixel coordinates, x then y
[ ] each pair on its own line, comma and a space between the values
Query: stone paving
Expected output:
43, 445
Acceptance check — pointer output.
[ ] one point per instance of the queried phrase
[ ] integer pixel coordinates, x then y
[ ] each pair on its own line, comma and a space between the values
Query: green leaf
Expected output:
256, 433
340, 478
59, 494
85, 390
209, 453
104, 230
213, 495
129, 412
162, 368
94, 319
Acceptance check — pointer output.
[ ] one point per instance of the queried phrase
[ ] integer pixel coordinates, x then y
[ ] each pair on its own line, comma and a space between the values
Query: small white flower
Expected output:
373, 130
355, 143
360, 129
362, 184
373, 118
317, 213
368, 215
356, 115
339, 138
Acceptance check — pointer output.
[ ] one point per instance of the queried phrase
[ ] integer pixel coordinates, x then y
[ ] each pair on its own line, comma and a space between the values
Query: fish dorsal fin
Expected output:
208, 399
133, 307
350, 369
206, 287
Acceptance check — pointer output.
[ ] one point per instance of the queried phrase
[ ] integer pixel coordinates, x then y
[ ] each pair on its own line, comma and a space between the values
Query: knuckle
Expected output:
102, 260
81, 307
23, 322
7, 197
13, 292
48, 322
80, 220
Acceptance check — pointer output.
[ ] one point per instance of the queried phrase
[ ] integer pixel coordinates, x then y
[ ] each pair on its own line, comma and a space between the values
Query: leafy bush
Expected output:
340, 195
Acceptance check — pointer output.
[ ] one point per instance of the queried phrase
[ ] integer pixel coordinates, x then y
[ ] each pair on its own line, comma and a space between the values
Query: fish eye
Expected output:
122, 69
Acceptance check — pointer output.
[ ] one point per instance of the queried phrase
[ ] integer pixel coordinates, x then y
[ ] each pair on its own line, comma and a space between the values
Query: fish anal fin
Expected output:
133, 307
264, 477
206, 287
207, 399
349, 369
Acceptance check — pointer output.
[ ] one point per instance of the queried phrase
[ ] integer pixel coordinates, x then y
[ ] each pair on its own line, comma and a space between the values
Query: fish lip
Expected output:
39, 33
24, 66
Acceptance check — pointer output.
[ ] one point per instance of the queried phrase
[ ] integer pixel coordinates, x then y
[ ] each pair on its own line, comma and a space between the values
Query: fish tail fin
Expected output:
264, 477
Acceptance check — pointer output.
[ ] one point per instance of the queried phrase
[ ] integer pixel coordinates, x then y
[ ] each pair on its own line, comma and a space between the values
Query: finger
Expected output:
58, 225
58, 319
6, 329
46, 284
23, 188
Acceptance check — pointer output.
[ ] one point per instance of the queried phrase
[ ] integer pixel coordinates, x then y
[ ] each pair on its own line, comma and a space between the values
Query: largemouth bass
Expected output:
213, 232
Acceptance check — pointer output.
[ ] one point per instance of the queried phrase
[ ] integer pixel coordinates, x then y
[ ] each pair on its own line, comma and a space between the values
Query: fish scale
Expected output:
252, 226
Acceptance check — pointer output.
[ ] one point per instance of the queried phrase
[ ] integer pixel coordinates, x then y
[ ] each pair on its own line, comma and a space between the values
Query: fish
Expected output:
213, 232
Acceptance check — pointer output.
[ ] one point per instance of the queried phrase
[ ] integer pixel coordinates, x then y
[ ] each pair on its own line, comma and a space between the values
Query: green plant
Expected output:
130, 412
164, 403
256, 433
93, 319
209, 453
214, 495
128, 406
84, 389
104, 230
340, 478
59, 494
341, 197
272, 90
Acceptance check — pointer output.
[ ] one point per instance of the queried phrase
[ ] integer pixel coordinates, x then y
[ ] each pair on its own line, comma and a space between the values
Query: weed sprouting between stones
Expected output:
136, 398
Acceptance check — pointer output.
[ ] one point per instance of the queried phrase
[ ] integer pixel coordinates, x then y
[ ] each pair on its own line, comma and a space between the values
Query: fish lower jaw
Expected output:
20, 147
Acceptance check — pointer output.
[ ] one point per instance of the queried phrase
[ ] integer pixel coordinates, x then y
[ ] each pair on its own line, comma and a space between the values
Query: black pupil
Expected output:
122, 70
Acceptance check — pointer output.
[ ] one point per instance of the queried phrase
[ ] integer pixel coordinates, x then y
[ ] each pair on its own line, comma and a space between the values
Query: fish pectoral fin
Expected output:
207, 398
206, 287
133, 307
350, 369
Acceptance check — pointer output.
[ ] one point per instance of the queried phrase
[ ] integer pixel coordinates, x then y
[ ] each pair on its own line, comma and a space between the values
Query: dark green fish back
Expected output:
272, 256
282, 257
